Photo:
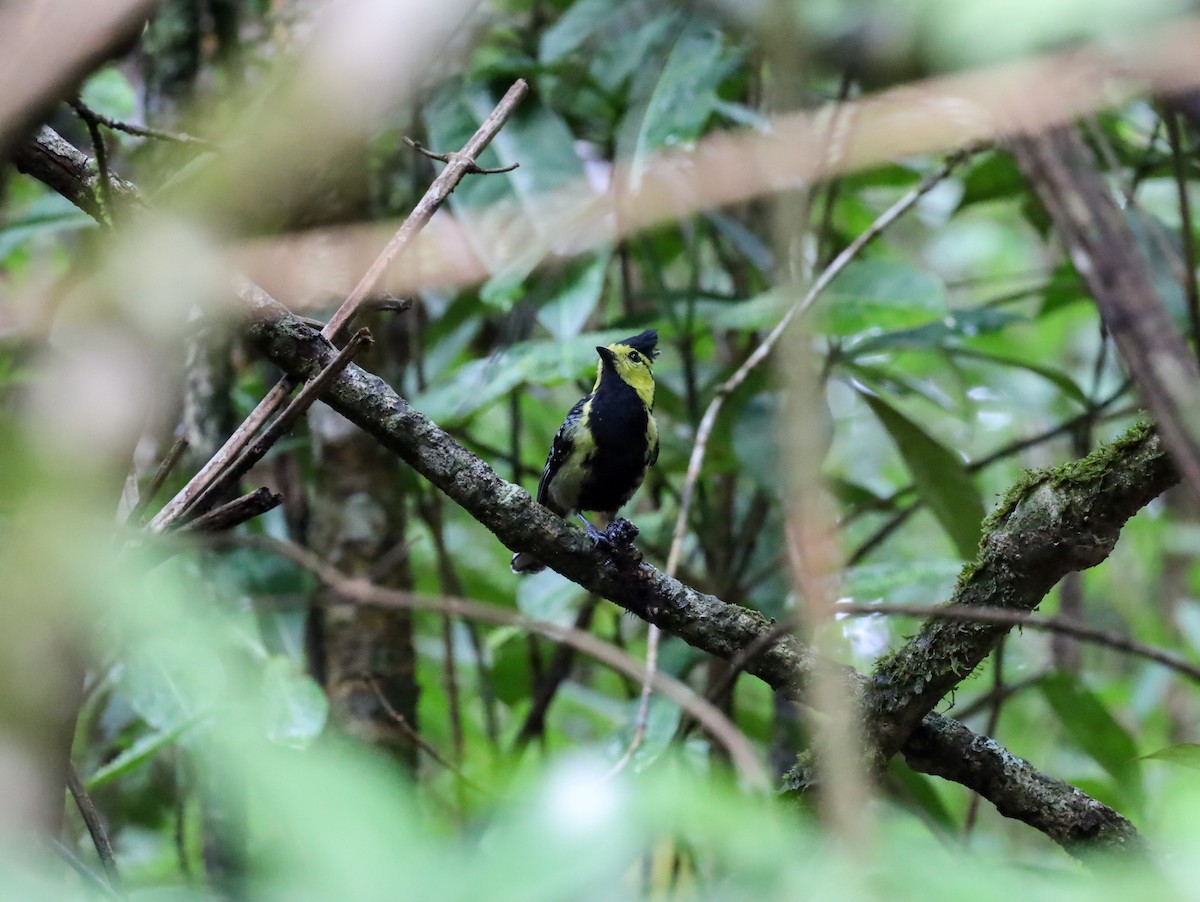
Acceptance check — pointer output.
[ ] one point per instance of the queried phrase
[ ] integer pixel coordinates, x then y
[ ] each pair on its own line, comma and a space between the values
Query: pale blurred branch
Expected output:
399, 243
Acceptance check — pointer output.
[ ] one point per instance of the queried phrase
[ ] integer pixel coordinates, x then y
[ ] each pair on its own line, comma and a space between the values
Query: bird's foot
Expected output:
616, 540
598, 536
620, 535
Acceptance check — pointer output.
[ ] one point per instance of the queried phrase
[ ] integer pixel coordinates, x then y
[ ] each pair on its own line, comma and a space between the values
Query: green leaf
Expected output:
296, 707
46, 216
1092, 728
931, 335
684, 96
922, 792
567, 313
993, 177
142, 751
1059, 378
475, 385
873, 296
110, 93
548, 596
170, 681
940, 475
1185, 754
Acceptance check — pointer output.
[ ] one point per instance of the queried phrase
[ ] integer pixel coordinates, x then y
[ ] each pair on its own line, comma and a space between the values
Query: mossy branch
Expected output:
943, 747
1052, 522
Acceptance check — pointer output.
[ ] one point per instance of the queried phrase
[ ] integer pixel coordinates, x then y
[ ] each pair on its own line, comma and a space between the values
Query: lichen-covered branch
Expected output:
1051, 523
945, 748
509, 511
701, 620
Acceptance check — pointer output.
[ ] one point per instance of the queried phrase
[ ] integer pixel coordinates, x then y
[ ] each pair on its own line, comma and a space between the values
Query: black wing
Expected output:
560, 450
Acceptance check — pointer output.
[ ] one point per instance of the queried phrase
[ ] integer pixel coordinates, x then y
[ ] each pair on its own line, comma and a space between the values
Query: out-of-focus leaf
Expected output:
296, 707
110, 93
685, 93
761, 312
754, 441
940, 476
902, 582
1163, 253
958, 324
661, 721
143, 750
538, 140
567, 313
547, 596
615, 36
1091, 727
748, 244
873, 296
921, 792
1185, 754
479, 383
1059, 378
852, 494
172, 681
45, 216
992, 177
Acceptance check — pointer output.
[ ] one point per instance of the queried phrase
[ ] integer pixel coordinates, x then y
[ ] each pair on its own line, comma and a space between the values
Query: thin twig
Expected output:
839, 263
94, 821
142, 131
434, 197
156, 481
417, 739
84, 871
472, 168
280, 426
345, 589
91, 122
236, 512
1186, 231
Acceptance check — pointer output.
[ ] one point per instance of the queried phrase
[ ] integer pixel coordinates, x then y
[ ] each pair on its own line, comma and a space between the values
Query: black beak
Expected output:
607, 356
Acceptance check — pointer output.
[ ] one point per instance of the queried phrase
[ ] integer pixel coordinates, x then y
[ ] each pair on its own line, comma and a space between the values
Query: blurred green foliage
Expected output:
956, 335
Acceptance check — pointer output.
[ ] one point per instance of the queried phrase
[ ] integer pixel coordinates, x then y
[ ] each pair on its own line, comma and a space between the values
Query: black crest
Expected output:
646, 343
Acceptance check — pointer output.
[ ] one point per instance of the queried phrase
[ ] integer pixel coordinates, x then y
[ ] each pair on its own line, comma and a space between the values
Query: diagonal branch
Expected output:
702, 621
1051, 523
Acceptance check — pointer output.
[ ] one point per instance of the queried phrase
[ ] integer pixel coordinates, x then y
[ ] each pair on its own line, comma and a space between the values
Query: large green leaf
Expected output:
46, 216
1091, 727
1059, 378
940, 475
1185, 754
873, 296
296, 708
565, 314
684, 96
143, 750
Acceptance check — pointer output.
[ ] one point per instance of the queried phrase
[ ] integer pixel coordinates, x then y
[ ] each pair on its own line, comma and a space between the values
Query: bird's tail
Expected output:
524, 562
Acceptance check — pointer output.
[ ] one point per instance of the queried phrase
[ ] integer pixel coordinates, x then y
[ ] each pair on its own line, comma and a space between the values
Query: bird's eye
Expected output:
635, 356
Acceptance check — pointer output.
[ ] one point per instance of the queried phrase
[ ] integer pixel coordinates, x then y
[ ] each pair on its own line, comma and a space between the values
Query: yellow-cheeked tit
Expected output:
607, 442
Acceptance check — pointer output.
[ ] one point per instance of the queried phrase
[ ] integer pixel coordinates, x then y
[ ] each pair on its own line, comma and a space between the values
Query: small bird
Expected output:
607, 442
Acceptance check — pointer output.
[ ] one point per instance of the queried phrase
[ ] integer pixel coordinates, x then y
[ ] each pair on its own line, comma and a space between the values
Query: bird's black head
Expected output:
646, 343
